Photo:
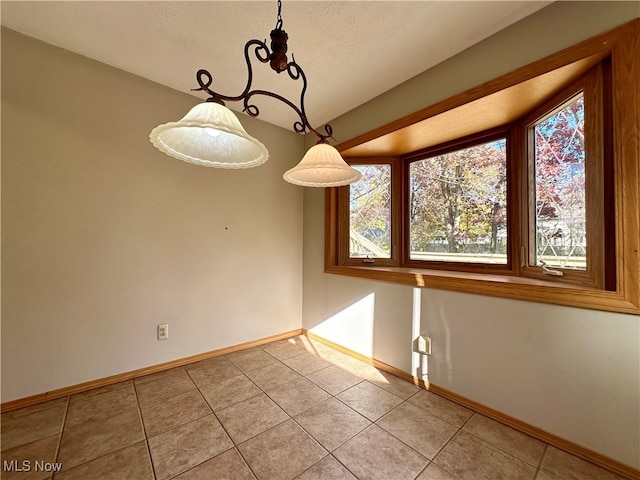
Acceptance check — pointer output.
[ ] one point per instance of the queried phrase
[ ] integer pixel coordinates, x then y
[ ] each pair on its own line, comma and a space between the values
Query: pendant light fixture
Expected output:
211, 135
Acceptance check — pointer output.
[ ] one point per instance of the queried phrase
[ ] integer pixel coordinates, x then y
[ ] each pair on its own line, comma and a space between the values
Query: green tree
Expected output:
370, 205
459, 198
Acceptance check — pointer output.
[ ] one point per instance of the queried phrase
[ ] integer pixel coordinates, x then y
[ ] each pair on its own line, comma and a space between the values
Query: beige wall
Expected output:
572, 372
104, 237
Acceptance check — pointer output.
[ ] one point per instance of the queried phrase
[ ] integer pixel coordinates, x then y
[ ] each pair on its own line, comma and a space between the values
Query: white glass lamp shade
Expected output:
210, 135
322, 166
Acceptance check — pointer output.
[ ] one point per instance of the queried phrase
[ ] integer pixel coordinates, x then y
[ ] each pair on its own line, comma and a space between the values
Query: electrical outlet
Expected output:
424, 345
163, 331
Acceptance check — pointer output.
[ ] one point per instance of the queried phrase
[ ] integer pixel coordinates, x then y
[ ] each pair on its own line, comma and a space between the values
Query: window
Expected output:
460, 210
369, 232
457, 205
370, 213
526, 205
569, 181
559, 198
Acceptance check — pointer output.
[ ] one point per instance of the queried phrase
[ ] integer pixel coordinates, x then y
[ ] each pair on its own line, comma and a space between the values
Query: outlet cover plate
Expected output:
424, 345
163, 331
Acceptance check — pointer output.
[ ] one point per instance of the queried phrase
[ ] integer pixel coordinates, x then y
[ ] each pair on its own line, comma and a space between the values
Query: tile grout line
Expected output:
362, 377
64, 425
144, 430
343, 465
539, 468
399, 439
64, 422
448, 442
197, 387
168, 397
236, 445
114, 387
497, 447
461, 430
184, 424
350, 438
162, 400
317, 443
244, 460
158, 375
290, 417
429, 460
334, 396
330, 452
211, 412
102, 456
424, 469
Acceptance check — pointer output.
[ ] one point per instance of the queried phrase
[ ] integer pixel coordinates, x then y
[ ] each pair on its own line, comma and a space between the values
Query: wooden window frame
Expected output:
470, 141
396, 214
621, 46
599, 188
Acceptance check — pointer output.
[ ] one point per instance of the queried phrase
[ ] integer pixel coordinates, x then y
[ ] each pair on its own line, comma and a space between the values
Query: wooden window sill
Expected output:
506, 286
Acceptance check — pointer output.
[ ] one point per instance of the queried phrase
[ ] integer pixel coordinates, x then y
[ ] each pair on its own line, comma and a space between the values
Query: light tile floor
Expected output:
292, 409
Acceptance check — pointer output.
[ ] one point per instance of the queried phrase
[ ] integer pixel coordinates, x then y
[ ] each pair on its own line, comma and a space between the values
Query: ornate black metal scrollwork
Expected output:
277, 59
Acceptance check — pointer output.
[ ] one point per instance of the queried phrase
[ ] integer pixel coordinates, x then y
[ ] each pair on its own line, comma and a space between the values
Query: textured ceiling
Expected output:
350, 51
